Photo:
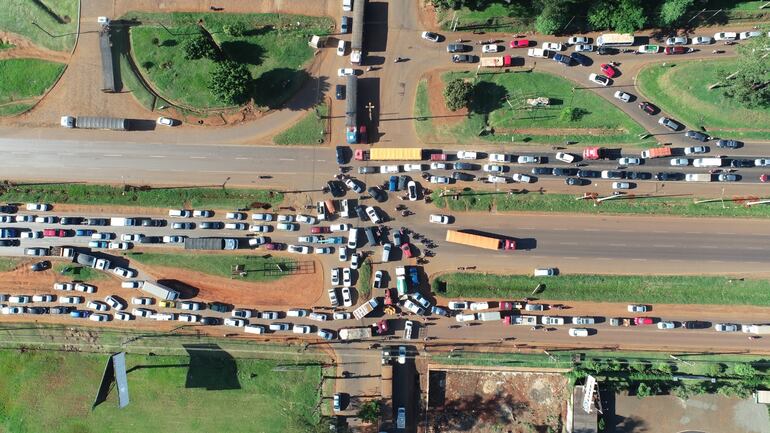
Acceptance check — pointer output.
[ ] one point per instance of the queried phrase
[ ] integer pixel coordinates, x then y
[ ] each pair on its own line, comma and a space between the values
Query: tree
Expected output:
624, 16
745, 370
643, 390
457, 94
663, 367
370, 411
237, 28
198, 48
747, 81
230, 82
714, 369
671, 11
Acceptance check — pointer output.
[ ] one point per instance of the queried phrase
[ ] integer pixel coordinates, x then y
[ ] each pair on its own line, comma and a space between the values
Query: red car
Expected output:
407, 250
648, 108
642, 321
520, 43
763, 178
54, 233
318, 230
273, 246
505, 306
609, 70
676, 50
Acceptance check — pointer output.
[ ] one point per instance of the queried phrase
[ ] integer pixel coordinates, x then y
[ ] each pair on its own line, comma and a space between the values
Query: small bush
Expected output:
155, 41
235, 29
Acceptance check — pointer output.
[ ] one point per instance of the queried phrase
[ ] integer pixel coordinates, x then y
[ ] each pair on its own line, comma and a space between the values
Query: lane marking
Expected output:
116, 155
618, 245
157, 156
639, 260
198, 157
568, 243
241, 157
663, 246
286, 159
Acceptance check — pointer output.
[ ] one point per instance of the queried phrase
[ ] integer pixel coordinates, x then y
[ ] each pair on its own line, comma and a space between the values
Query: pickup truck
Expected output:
551, 320
520, 320
539, 53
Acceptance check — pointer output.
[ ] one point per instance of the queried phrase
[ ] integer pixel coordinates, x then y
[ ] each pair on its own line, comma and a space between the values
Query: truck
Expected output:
593, 153
488, 316
389, 154
756, 329
124, 222
113, 123
481, 241
63, 251
355, 333
210, 244
656, 152
438, 156
708, 162
159, 291
520, 320
539, 53
366, 308
410, 273
497, 61
697, 177
92, 262
615, 39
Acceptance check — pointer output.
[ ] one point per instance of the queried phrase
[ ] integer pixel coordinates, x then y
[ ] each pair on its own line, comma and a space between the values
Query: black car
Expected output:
8, 242
60, 310
581, 59
742, 163
219, 307
669, 176
151, 240
563, 59
648, 108
463, 58
607, 51
377, 194
37, 310
458, 175
149, 222
335, 188
729, 144
696, 324
8, 208
96, 222
211, 225
698, 136
542, 170
574, 181
342, 153
71, 221
183, 226
40, 266
589, 173
361, 212
368, 170
339, 92
638, 175
211, 321
458, 48
465, 166
564, 171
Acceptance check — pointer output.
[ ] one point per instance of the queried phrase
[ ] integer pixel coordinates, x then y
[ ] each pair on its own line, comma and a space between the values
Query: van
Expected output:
353, 238
254, 329
347, 5
545, 272
707, 162
369, 231
330, 208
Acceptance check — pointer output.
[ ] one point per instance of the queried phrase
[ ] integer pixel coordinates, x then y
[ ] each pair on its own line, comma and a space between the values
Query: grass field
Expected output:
79, 273
160, 197
19, 83
682, 90
5, 45
364, 283
423, 124
611, 288
56, 21
214, 264
275, 50
12, 109
498, 17
44, 391
8, 263
308, 130
484, 201
500, 104
121, 46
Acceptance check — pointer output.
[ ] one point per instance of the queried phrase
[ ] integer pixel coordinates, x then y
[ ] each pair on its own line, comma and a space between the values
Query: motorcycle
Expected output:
717, 52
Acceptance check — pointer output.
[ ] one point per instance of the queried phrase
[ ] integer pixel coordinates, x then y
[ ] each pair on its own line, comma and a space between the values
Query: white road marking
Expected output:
157, 156
241, 157
618, 245
639, 260
710, 247
591, 230
568, 243
663, 246
286, 159
115, 155
198, 157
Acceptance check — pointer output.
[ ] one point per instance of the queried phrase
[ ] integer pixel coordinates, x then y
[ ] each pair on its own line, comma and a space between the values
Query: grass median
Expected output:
677, 289
25, 79
203, 392
364, 282
258, 268
532, 201
153, 197
79, 273
308, 131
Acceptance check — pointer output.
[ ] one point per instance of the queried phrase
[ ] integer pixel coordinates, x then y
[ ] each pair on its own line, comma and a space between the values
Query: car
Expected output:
463, 177
477, 306
25, 218
344, 72
173, 239
280, 326
59, 310
355, 260
302, 329
368, 170
129, 237
621, 185
554, 46
749, 34
123, 272
64, 286
458, 305
341, 315
542, 171
438, 219
236, 323
535, 307
430, 36
676, 40
46, 220
411, 188
347, 301
40, 266
729, 144
623, 96
287, 227
679, 162
37, 251
341, 47
581, 59
39, 207
670, 123
19, 299
666, 325
563, 59
354, 185
637, 308
599, 79
490, 48
424, 303
726, 177
412, 307
71, 299
119, 245
493, 168
702, 40
695, 324
725, 36
649, 108
528, 159
629, 161
236, 226
377, 194
242, 313
580, 48
191, 305
379, 278
98, 244
466, 154
440, 166
519, 43
441, 180
574, 40
499, 157
142, 312
299, 249
609, 70
663, 176
85, 288
640, 321
80, 314
523, 178
676, 50
115, 303
762, 162
742, 163
648, 49
698, 136
97, 305
149, 222
578, 332
551, 320
458, 48
465, 166
575, 181
560, 171
726, 327
695, 150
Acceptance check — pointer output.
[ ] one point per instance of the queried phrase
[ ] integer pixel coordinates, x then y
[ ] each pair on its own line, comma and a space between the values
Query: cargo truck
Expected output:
593, 153
496, 62
708, 162
210, 244
756, 329
488, 316
115, 124
68, 252
656, 152
124, 222
365, 309
699, 177
438, 156
389, 154
159, 291
480, 241
93, 262
520, 320
355, 333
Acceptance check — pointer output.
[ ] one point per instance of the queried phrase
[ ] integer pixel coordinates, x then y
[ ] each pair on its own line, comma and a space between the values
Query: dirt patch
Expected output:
478, 401
24, 48
427, 16
440, 115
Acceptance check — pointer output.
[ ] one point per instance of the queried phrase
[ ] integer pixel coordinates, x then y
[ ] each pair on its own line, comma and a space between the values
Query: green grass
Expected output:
611, 288
483, 201
159, 197
681, 89
8, 263
423, 124
60, 24
79, 273
600, 123
26, 78
128, 77
5, 46
308, 131
14, 109
214, 264
44, 391
498, 17
275, 51
364, 283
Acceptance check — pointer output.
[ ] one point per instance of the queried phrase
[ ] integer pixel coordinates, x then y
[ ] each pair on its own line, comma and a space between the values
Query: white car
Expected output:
762, 162
390, 169
497, 179
31, 235
702, 40
103, 236
466, 154
238, 216
257, 241
666, 325
579, 48
344, 72
493, 168
335, 276
97, 305
180, 213
323, 250
578, 332
40, 207
339, 227
412, 307
131, 284
574, 40
191, 305
43, 298
306, 219
430, 36
489, 48
477, 306
341, 316
237, 323
236, 226
143, 300
725, 36
318, 317
123, 272
458, 305
285, 218
523, 178
262, 217
302, 329
750, 34
346, 280
242, 313
19, 299
129, 237
371, 212
115, 303
355, 261
280, 326
621, 185
438, 219
189, 318
203, 213
343, 254
627, 160
443, 180
297, 312
554, 46
142, 312
499, 157
85, 288
123, 316
599, 79
677, 40
341, 48
726, 327
527, 159
565, 157
439, 166
299, 249
97, 317
287, 227
71, 299
408, 327
637, 308
695, 150
173, 239
623, 96
165, 121
259, 228
63, 286
413, 167
465, 317
119, 245
12, 310
346, 299
679, 162
326, 334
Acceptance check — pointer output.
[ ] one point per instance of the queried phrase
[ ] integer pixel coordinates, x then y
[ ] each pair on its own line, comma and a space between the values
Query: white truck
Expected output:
708, 162
123, 222
489, 316
93, 262
365, 309
697, 177
756, 329
68, 252
159, 290
355, 333
539, 53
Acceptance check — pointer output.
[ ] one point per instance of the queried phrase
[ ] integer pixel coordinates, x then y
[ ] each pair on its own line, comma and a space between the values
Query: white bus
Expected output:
615, 39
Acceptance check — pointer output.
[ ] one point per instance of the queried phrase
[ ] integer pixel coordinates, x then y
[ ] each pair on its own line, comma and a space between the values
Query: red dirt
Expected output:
24, 48
438, 111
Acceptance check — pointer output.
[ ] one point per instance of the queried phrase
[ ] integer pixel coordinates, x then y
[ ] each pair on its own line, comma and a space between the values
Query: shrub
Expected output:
230, 82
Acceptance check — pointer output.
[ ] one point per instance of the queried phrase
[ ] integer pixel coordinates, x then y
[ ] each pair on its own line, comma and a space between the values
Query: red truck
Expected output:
438, 156
656, 152
593, 153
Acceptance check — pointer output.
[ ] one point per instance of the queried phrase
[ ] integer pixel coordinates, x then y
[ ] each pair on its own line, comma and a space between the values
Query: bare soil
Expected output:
478, 401
24, 48
438, 111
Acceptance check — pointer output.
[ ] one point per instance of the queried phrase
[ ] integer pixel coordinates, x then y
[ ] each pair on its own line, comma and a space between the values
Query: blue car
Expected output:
80, 314
98, 244
561, 58
393, 183
84, 232
581, 58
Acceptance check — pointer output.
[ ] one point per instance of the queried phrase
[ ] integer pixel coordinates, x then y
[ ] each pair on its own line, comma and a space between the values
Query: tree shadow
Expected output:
186, 291
243, 52
274, 87
211, 368
487, 97
466, 413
